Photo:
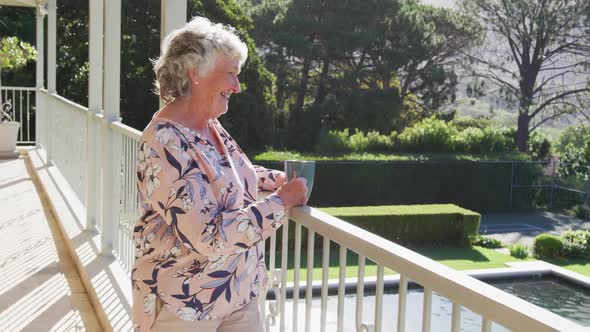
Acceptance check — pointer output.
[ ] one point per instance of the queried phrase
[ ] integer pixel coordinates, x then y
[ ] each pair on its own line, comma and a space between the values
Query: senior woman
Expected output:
200, 240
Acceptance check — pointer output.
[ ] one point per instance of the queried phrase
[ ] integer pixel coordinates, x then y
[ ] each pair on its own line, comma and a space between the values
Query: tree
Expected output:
417, 48
14, 54
537, 53
19, 22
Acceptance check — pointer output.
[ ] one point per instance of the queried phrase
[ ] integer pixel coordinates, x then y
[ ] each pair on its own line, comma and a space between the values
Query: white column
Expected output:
173, 16
111, 157
95, 55
40, 46
51, 65
51, 44
40, 123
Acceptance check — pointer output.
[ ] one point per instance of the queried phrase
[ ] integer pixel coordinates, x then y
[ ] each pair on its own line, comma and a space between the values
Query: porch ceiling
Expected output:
21, 3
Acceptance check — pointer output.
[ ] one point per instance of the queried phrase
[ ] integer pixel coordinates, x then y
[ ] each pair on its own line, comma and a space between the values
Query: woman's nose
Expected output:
236, 85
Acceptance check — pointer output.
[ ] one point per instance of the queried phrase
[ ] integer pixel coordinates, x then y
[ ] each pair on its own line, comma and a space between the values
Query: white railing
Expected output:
65, 134
22, 106
463, 291
123, 247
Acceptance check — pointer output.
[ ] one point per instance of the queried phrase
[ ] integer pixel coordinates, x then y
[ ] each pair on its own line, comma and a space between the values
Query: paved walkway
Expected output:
40, 289
512, 228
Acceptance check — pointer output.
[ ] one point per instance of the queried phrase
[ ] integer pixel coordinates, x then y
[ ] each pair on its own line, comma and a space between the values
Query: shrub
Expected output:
548, 246
378, 143
428, 135
572, 134
487, 242
476, 140
539, 146
463, 123
519, 251
580, 211
576, 244
341, 142
334, 141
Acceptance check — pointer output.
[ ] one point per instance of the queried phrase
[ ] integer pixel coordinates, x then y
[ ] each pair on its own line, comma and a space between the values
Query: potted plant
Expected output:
13, 54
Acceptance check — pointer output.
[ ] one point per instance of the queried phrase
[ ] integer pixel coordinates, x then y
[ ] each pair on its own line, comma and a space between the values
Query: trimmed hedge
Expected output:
414, 224
477, 186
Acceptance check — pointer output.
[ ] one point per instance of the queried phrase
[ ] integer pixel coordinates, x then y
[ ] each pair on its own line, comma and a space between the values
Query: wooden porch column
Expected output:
111, 157
93, 143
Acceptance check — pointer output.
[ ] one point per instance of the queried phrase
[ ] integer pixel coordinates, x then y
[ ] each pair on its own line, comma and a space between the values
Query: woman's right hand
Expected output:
293, 193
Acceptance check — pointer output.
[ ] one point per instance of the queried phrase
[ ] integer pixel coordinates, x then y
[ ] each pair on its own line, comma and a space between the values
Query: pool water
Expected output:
560, 297
563, 298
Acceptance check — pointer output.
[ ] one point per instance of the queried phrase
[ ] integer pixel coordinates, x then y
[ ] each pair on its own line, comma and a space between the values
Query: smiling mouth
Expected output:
226, 95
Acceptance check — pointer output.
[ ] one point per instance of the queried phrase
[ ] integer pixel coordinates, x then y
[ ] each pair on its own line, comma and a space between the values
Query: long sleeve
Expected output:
210, 209
267, 178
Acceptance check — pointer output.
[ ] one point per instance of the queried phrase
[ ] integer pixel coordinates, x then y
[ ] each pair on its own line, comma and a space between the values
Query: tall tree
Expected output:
538, 54
419, 45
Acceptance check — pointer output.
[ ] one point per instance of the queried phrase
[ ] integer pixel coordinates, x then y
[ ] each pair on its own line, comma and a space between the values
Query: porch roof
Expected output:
22, 3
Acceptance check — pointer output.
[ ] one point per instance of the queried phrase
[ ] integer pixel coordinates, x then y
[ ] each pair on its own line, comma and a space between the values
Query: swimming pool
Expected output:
547, 291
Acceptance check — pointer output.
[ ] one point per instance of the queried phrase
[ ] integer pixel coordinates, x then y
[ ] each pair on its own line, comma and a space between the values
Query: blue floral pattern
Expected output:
199, 244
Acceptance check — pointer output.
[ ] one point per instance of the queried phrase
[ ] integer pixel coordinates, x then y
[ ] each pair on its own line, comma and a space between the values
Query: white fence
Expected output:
21, 104
71, 136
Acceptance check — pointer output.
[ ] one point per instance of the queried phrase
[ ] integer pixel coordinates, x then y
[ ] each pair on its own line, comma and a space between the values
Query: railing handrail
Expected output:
66, 101
24, 88
484, 299
126, 130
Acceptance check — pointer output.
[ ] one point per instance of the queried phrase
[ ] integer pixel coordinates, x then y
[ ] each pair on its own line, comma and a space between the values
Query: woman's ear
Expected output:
193, 76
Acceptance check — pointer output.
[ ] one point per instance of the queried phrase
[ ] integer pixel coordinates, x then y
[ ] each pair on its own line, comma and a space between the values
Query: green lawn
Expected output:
579, 265
291, 155
456, 258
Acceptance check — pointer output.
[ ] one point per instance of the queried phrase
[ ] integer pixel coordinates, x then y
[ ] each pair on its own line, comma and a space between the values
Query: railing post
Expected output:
95, 53
553, 185
111, 157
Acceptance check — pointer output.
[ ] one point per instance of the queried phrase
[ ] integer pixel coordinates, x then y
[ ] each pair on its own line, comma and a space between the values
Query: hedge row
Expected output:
431, 224
478, 186
414, 224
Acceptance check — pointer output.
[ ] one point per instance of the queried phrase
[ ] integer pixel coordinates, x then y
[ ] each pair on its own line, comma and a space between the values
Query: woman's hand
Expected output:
280, 179
293, 193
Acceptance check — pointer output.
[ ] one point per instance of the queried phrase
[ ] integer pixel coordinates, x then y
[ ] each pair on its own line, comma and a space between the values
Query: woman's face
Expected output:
216, 86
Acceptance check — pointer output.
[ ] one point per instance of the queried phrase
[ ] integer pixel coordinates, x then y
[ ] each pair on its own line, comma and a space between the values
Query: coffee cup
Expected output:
301, 168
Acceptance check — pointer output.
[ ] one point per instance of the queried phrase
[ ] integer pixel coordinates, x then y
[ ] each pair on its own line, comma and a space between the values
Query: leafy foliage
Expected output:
576, 244
519, 251
487, 242
572, 134
15, 53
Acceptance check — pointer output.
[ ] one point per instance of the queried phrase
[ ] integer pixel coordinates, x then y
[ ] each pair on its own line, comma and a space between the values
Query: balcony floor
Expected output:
41, 289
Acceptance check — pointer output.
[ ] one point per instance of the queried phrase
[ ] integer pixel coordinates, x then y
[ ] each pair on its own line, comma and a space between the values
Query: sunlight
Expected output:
34, 304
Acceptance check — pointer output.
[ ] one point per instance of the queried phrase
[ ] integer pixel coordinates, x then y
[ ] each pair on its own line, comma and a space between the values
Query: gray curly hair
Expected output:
195, 45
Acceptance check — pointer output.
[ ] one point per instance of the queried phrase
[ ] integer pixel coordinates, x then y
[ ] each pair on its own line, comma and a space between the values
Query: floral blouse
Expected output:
199, 243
